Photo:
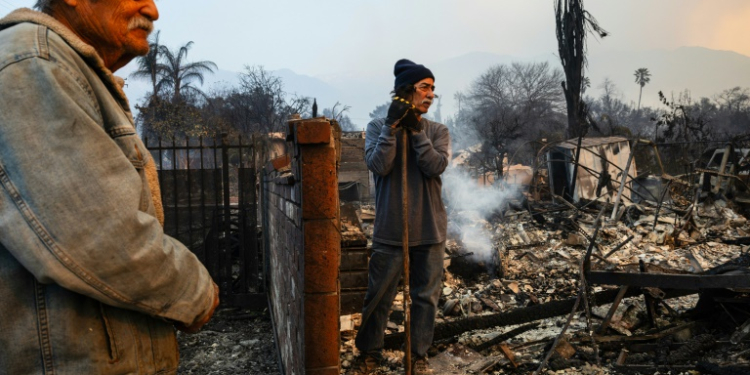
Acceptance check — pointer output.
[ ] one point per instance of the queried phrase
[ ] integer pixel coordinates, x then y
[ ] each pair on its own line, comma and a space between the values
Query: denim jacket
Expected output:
89, 282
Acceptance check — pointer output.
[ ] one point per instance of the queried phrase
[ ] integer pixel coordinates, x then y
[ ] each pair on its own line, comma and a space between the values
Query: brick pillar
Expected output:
322, 243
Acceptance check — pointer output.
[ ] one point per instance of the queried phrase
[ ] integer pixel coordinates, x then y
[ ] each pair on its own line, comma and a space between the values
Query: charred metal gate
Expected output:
208, 190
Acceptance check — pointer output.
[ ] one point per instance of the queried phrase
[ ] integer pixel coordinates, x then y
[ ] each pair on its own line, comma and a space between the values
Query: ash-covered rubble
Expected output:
235, 341
507, 297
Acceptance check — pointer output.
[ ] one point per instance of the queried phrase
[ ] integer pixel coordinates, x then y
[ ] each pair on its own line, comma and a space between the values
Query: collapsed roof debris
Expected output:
659, 283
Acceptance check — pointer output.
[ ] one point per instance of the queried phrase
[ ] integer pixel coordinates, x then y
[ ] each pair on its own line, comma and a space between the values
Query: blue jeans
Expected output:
425, 279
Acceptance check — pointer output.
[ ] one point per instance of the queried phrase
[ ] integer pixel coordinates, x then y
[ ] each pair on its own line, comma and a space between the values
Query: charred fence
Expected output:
208, 190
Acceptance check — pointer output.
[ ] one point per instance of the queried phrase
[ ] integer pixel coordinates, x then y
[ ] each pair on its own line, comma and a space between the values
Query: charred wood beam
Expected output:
651, 347
691, 349
523, 315
586, 263
505, 336
738, 263
669, 281
458, 255
664, 332
650, 305
526, 245
619, 246
737, 241
651, 369
740, 333
585, 290
613, 309
714, 369
565, 202
732, 300
661, 201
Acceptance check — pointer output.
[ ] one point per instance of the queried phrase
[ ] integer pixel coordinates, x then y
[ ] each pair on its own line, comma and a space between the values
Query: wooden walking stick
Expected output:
405, 234
405, 242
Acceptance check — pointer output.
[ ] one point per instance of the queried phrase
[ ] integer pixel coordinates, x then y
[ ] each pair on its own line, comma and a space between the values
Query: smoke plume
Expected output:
469, 205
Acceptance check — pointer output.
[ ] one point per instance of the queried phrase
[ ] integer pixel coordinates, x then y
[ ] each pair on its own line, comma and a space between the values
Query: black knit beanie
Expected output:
407, 72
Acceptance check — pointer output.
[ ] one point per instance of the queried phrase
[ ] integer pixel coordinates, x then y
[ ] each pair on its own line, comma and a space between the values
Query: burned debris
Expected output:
596, 262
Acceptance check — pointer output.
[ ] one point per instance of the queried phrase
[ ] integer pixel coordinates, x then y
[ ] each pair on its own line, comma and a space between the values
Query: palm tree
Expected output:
642, 77
147, 64
178, 75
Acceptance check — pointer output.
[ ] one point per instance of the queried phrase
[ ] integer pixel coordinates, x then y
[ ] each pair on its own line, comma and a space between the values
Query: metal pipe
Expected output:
174, 200
661, 201
597, 174
573, 182
203, 204
722, 168
189, 194
624, 178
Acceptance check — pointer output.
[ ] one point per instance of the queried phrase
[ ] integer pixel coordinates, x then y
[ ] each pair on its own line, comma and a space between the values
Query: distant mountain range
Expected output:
703, 71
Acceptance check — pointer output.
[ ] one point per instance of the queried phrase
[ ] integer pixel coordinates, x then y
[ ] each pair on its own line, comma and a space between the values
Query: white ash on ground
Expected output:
234, 341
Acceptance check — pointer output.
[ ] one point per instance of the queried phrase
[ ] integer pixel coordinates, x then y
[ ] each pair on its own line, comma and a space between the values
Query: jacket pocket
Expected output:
165, 350
127, 140
114, 355
130, 145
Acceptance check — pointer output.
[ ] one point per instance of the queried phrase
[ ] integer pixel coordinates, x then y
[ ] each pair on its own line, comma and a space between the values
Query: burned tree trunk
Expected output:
572, 23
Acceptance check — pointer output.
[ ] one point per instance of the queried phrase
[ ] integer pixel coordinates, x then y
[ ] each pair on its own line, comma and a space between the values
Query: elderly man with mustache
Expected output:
428, 155
89, 282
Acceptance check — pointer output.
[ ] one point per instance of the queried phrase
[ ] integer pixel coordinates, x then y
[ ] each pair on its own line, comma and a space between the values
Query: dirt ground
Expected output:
235, 341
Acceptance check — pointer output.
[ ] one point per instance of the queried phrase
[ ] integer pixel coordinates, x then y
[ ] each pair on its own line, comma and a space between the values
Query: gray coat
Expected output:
429, 155
89, 282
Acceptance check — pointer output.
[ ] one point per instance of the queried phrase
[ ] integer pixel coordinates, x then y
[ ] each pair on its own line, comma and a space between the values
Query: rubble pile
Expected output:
500, 313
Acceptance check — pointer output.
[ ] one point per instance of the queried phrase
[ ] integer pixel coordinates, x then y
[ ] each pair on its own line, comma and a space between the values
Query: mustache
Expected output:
141, 22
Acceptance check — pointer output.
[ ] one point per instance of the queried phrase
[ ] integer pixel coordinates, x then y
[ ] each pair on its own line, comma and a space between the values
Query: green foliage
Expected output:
168, 119
177, 75
148, 64
173, 107
642, 77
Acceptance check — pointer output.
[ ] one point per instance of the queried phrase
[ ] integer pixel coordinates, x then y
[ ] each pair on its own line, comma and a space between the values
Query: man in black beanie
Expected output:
428, 156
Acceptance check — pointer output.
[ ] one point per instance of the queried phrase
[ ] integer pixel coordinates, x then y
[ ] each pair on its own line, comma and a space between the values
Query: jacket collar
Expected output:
86, 51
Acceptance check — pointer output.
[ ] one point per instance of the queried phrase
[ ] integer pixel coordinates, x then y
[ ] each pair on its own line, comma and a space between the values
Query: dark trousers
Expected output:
425, 279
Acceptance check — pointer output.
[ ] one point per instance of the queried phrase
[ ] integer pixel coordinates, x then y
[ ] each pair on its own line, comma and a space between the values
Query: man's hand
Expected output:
401, 114
195, 327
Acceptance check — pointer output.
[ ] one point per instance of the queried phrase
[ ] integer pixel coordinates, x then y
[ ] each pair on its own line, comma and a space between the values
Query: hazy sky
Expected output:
330, 36
339, 40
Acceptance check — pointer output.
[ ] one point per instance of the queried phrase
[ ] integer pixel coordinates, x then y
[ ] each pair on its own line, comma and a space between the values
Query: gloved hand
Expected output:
401, 114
